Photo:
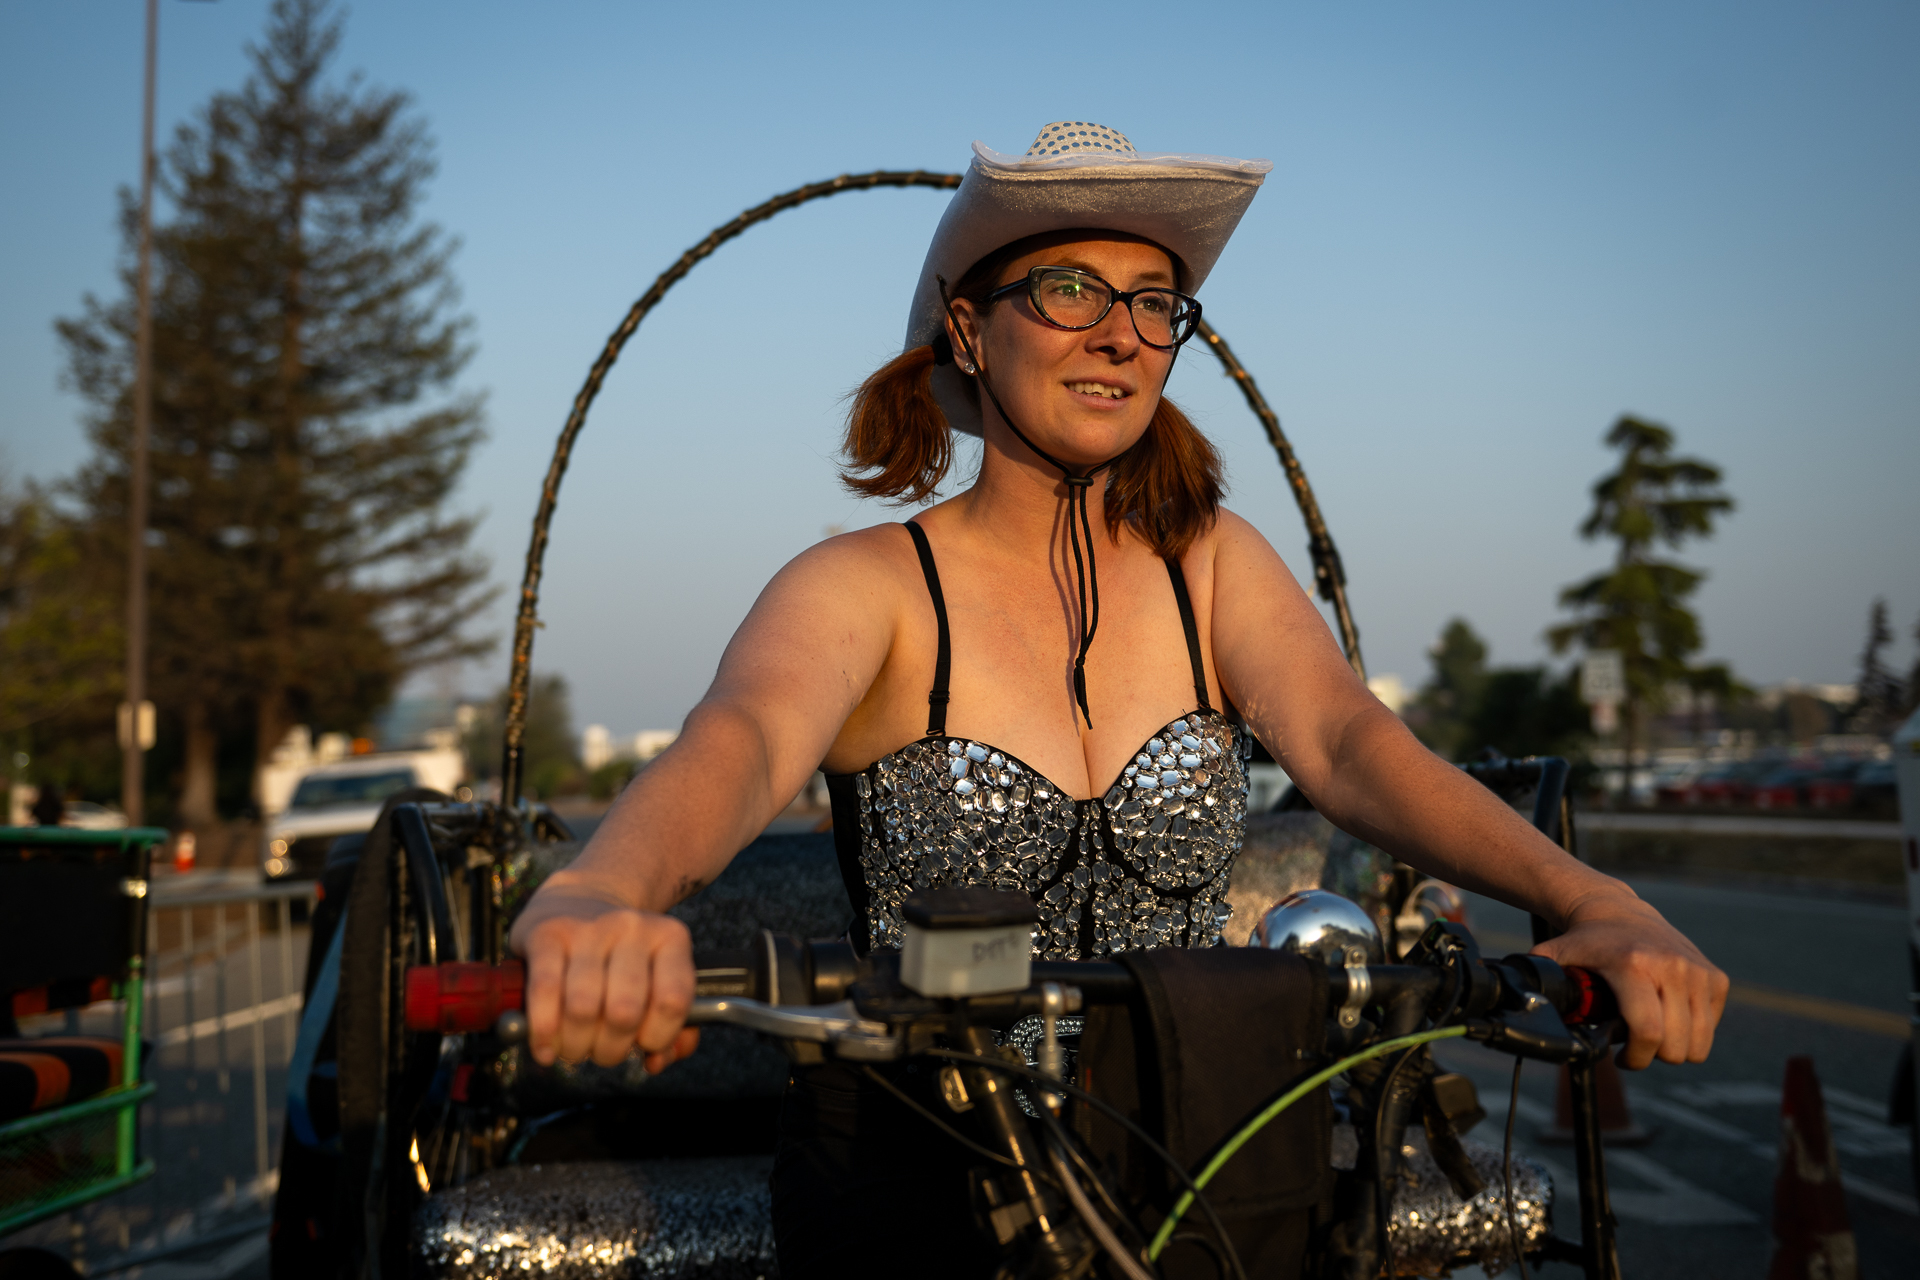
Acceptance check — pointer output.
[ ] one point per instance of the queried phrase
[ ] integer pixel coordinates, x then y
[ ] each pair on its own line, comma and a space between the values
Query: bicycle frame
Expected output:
822, 1002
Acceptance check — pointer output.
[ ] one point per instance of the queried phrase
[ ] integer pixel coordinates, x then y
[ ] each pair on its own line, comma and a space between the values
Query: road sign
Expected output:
1603, 677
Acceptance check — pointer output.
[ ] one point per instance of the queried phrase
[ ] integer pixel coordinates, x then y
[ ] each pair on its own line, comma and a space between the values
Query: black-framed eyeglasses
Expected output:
1074, 299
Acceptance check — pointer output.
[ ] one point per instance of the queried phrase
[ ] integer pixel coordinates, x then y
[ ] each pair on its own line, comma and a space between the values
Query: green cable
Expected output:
1287, 1099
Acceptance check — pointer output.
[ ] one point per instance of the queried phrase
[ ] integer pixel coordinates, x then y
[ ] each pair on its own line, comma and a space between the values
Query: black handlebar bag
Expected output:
1213, 1037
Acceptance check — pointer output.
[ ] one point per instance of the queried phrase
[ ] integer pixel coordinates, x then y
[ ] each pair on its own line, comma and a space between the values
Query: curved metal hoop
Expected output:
1328, 574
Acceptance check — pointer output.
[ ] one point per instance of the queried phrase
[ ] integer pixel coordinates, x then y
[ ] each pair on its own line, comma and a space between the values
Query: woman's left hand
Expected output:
1670, 995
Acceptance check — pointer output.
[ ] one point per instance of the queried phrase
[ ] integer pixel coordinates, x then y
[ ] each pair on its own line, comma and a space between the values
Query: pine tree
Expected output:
1879, 695
306, 432
60, 642
1638, 607
1452, 693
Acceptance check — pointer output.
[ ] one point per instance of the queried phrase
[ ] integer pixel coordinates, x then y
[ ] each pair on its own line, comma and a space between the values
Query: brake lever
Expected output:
838, 1026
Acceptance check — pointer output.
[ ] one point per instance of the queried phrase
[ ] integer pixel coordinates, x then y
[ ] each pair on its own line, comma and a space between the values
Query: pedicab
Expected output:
423, 1139
73, 930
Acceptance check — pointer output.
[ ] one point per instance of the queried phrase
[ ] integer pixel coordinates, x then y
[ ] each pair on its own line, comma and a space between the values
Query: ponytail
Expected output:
896, 431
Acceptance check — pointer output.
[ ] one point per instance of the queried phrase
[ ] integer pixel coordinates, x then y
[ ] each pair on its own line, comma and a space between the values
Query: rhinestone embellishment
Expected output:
1145, 865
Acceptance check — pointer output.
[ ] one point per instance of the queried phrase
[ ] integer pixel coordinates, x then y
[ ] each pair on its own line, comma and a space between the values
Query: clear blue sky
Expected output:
1491, 228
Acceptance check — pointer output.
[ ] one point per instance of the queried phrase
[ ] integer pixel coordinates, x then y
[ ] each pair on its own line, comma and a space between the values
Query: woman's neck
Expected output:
1020, 500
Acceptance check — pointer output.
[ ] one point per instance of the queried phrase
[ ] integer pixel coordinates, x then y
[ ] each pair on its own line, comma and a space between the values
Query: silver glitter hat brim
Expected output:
1187, 204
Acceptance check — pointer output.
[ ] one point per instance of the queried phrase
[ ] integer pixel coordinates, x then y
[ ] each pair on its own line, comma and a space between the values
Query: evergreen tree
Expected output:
1638, 607
306, 432
549, 750
1879, 695
1911, 702
60, 645
1528, 711
1448, 700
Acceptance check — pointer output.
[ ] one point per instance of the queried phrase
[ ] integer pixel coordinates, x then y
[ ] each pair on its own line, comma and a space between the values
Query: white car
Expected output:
88, 816
332, 801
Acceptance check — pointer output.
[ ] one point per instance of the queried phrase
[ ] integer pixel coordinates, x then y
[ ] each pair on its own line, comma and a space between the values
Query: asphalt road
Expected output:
1819, 977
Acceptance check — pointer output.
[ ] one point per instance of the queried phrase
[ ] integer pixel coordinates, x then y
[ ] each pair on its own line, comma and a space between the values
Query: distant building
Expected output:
599, 747
649, 743
596, 747
1391, 691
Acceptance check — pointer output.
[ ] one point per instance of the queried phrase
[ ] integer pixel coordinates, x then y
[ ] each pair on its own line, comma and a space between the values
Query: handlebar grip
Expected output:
1593, 998
466, 996
462, 996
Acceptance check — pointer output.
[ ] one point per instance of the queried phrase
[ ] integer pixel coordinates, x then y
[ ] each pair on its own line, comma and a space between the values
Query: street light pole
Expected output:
132, 763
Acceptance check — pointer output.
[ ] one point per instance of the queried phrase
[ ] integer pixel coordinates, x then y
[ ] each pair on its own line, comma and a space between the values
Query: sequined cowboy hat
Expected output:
1077, 174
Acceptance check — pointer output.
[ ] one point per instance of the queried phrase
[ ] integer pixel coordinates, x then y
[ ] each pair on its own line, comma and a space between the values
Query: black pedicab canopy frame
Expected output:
1330, 577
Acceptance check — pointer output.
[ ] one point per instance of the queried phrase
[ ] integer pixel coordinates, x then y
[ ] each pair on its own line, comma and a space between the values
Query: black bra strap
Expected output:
943, 659
1192, 629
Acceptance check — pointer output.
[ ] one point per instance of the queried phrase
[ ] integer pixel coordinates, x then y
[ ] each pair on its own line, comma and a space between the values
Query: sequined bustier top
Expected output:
1144, 865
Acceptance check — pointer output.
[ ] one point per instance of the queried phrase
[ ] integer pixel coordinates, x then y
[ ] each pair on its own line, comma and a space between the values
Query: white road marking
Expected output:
1865, 1188
232, 1021
1494, 1093
1675, 1202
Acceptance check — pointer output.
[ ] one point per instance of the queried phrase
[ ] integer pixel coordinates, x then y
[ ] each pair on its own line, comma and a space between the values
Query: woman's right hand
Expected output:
603, 978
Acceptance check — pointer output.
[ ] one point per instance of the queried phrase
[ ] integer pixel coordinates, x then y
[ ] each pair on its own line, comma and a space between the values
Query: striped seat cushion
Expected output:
54, 1070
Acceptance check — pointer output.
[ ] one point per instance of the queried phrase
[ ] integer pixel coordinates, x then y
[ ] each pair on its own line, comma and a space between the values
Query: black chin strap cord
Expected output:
1086, 574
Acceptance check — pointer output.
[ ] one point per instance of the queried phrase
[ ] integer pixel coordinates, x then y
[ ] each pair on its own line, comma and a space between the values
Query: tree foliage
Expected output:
552, 760
307, 435
1465, 707
1881, 697
1638, 607
61, 642
1448, 699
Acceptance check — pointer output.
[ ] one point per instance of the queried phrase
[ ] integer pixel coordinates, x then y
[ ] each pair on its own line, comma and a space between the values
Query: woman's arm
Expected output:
606, 968
1371, 777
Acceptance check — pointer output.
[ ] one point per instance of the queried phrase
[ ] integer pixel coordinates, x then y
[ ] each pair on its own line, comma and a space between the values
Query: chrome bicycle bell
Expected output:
1320, 923
1333, 930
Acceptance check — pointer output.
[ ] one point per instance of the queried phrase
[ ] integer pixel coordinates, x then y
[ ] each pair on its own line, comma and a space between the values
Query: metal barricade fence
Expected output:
225, 966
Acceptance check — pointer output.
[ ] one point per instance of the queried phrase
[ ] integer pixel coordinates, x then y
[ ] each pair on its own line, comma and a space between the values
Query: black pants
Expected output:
865, 1187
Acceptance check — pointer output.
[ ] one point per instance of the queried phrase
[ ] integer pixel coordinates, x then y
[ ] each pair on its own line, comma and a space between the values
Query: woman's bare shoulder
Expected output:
1233, 536
861, 569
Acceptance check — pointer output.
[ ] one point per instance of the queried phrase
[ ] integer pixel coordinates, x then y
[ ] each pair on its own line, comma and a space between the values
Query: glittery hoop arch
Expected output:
1329, 577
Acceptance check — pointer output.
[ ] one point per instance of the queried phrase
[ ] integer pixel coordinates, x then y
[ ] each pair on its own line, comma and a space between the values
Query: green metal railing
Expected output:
55, 1160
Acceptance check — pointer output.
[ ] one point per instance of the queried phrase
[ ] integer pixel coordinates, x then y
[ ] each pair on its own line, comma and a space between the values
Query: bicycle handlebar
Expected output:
800, 991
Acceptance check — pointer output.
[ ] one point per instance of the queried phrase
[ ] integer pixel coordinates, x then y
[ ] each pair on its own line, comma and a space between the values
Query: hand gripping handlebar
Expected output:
801, 991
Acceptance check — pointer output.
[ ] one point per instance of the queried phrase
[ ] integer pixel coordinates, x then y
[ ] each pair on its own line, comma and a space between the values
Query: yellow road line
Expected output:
1835, 1013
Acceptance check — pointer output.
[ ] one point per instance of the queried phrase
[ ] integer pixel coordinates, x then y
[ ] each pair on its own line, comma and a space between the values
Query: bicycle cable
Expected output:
948, 1129
1293, 1095
1102, 1232
1382, 1198
1187, 1197
1092, 1176
1506, 1164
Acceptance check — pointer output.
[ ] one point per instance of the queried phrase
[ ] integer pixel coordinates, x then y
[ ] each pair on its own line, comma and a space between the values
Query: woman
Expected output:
990, 687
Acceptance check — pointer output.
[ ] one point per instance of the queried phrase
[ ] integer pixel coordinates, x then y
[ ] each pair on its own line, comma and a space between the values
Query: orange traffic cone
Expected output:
1812, 1239
1618, 1128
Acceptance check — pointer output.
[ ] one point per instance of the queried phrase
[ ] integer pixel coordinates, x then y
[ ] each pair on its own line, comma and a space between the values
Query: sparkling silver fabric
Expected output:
658, 1219
1145, 865
1434, 1231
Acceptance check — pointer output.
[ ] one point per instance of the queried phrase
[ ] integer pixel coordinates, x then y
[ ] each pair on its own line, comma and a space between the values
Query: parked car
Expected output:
1673, 783
1875, 792
1729, 784
1833, 786
88, 816
1784, 787
343, 799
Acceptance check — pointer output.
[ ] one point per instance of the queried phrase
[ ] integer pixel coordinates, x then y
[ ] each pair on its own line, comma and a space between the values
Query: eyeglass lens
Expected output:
1076, 300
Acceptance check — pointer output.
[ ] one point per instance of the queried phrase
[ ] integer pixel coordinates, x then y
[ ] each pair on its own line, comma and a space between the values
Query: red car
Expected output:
1833, 787
1783, 788
1729, 784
